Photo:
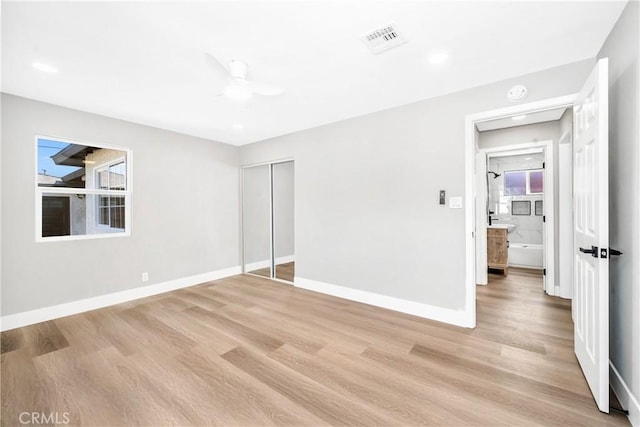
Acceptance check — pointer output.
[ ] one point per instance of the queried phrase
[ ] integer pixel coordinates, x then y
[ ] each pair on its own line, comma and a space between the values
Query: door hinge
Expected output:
544, 165
544, 271
544, 218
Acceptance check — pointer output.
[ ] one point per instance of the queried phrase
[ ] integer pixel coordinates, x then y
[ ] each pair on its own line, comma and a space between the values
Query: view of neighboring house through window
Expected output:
82, 190
111, 208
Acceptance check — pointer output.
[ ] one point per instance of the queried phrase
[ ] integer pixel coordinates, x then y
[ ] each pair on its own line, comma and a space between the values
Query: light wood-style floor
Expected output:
246, 351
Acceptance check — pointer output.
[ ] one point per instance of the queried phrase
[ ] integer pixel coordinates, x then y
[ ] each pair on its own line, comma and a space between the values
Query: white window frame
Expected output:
96, 178
127, 193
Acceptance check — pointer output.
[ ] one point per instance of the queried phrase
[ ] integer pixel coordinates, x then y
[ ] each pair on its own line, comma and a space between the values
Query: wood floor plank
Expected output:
244, 333
239, 399
11, 340
333, 409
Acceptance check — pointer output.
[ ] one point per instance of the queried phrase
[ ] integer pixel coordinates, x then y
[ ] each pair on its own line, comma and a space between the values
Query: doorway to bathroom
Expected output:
518, 208
524, 177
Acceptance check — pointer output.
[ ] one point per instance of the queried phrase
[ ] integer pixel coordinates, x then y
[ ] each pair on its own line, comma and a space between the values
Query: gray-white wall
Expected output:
185, 210
547, 131
366, 193
622, 49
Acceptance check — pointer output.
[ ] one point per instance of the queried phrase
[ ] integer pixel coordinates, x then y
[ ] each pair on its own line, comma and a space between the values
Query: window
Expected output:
535, 181
111, 209
523, 182
83, 190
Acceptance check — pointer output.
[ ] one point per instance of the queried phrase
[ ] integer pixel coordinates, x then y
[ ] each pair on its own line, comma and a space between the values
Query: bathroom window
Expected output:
83, 190
523, 182
535, 182
515, 183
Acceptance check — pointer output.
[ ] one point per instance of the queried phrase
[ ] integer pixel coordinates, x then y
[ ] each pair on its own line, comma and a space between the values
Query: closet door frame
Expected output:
272, 260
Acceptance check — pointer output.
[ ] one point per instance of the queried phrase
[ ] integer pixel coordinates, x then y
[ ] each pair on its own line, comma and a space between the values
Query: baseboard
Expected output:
18, 320
258, 265
624, 395
526, 266
453, 317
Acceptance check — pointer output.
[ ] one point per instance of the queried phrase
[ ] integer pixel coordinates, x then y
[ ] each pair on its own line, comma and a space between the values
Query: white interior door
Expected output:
591, 233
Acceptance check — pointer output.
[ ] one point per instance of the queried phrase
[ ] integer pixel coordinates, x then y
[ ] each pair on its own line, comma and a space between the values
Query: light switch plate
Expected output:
455, 202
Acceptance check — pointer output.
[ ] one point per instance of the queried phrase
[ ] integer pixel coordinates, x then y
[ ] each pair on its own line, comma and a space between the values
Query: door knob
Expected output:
593, 251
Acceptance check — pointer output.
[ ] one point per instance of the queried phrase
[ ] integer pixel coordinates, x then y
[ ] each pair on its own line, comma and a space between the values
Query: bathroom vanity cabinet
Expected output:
497, 249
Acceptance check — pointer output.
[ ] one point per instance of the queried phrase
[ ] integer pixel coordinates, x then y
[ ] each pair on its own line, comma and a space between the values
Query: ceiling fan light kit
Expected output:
237, 92
238, 87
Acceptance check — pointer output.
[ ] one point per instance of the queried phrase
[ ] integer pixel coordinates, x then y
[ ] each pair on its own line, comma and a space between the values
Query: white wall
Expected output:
366, 194
622, 48
185, 210
547, 131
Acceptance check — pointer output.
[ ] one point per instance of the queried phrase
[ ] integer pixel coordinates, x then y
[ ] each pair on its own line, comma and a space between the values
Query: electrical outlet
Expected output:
145, 276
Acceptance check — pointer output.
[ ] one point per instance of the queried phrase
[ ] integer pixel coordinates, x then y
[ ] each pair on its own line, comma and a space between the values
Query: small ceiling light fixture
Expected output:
517, 93
237, 92
40, 66
518, 118
438, 58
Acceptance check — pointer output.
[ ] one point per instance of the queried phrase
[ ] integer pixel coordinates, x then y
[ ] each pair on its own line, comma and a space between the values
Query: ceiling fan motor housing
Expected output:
238, 69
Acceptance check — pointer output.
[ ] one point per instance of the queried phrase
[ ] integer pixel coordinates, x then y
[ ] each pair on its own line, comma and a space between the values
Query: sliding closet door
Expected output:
283, 241
256, 220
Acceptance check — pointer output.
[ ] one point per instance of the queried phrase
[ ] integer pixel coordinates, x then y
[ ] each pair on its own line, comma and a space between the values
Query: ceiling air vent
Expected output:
383, 38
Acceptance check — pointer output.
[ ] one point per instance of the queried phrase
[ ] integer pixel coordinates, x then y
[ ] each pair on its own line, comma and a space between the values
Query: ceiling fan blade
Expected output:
264, 89
216, 66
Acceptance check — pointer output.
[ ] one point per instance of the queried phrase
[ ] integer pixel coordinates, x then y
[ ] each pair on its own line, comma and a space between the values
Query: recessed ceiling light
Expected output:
438, 58
237, 126
518, 118
40, 66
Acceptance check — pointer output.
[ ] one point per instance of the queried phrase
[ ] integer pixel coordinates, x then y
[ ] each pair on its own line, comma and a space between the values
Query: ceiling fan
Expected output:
238, 87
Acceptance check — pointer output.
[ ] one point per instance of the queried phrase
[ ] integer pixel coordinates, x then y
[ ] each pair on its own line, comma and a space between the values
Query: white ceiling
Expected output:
144, 62
528, 119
